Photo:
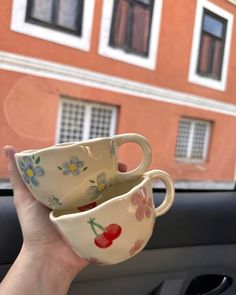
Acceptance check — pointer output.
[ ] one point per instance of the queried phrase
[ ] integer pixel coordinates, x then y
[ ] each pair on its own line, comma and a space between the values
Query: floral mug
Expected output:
76, 173
120, 225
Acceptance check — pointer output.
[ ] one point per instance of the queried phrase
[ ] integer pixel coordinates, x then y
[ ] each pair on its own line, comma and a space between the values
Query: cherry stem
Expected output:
93, 224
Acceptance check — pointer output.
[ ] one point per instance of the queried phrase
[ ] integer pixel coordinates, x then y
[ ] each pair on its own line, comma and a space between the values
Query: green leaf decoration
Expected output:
59, 167
37, 160
92, 181
33, 157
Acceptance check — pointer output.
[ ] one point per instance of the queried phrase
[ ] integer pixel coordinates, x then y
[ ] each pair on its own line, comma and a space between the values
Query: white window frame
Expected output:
18, 24
188, 159
232, 1
88, 112
194, 77
106, 50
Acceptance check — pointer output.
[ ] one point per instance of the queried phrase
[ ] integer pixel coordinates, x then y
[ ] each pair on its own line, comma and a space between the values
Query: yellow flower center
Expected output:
72, 167
101, 187
29, 172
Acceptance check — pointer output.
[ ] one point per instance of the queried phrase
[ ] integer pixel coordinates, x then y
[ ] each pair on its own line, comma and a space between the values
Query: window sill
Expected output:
130, 58
207, 82
190, 161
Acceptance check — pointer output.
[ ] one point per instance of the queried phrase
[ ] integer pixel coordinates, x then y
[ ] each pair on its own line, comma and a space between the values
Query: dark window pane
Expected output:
42, 10
140, 29
62, 15
146, 2
120, 23
67, 14
213, 26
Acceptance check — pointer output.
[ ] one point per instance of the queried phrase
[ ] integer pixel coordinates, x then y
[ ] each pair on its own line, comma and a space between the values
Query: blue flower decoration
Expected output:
30, 172
53, 202
73, 166
102, 183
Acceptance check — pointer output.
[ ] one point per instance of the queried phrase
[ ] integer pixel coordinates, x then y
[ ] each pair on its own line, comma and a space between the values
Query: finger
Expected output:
122, 167
20, 190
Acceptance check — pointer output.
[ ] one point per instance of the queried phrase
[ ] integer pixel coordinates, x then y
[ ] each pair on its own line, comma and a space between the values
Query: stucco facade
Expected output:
35, 74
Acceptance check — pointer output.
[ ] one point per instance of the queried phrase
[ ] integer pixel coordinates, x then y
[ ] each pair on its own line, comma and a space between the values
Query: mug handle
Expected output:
147, 154
170, 191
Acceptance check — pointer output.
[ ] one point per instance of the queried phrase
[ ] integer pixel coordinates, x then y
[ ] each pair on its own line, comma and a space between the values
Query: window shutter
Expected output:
140, 29
72, 121
120, 23
204, 54
100, 122
199, 140
182, 144
216, 63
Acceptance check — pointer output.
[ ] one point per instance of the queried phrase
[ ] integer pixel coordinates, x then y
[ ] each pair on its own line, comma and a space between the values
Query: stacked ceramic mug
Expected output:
106, 216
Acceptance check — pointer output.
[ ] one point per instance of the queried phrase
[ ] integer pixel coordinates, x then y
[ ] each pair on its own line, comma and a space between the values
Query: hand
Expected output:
45, 259
40, 237
46, 264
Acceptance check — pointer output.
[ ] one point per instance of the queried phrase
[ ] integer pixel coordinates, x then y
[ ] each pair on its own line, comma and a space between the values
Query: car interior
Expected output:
191, 251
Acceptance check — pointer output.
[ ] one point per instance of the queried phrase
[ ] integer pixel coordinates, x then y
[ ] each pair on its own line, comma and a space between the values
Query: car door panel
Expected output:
196, 237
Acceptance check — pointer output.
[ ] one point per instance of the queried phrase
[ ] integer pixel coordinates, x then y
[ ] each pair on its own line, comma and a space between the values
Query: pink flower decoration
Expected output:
143, 203
136, 247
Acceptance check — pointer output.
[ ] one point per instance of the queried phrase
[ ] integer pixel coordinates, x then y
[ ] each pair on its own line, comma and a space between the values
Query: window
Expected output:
211, 46
130, 30
192, 140
131, 25
66, 22
83, 120
65, 15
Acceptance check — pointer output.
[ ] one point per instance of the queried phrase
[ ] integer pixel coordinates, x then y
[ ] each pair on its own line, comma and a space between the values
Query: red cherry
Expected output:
102, 242
112, 231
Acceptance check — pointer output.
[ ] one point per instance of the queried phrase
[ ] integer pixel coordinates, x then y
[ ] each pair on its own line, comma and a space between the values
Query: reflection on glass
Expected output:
213, 26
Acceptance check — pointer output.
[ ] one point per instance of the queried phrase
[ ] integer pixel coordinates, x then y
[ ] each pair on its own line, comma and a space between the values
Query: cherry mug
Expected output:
121, 223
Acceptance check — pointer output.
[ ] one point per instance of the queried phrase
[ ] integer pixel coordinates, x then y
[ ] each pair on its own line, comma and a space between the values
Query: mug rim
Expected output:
65, 145
144, 180
59, 146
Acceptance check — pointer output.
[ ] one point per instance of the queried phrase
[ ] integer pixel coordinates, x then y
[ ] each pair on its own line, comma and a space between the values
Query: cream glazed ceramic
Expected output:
120, 225
75, 174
